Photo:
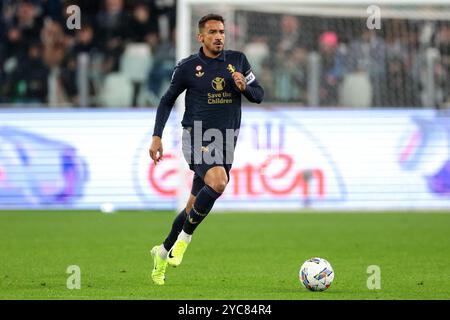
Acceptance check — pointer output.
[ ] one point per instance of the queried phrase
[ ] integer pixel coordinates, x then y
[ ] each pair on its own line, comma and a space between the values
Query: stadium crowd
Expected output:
388, 65
36, 44
39, 55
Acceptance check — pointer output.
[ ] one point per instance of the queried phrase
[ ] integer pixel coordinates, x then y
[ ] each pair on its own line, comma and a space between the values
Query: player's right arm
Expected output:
177, 86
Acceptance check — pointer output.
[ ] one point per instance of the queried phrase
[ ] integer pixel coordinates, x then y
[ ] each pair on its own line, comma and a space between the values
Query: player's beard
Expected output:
216, 49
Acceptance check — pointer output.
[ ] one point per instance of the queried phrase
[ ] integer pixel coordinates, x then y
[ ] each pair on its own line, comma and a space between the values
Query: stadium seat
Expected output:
356, 91
136, 62
117, 91
257, 52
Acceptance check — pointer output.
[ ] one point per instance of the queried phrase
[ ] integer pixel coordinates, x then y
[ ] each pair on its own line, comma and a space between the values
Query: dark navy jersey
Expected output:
211, 94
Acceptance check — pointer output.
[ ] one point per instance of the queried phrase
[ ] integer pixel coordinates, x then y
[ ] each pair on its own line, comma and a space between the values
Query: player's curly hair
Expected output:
208, 17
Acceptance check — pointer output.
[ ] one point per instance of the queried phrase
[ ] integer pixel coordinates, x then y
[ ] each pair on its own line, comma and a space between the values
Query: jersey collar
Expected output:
221, 57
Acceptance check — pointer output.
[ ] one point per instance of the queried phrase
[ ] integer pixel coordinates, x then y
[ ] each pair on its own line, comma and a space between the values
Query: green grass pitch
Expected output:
232, 256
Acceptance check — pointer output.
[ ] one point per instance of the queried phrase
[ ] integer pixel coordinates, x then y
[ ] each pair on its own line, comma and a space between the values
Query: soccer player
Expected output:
214, 80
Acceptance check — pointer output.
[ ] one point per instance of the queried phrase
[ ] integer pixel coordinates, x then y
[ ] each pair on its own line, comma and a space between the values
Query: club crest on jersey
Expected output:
218, 83
199, 72
231, 68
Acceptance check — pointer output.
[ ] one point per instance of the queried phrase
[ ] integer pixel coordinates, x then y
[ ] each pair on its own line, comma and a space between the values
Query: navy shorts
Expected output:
199, 162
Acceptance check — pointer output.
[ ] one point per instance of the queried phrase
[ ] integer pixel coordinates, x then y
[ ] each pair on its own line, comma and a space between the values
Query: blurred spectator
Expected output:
84, 40
8, 11
290, 76
288, 63
28, 21
54, 9
368, 54
165, 10
54, 50
113, 29
83, 43
21, 50
401, 53
290, 32
400, 83
144, 25
396, 39
23, 28
25, 83
53, 41
162, 69
14, 46
443, 68
332, 68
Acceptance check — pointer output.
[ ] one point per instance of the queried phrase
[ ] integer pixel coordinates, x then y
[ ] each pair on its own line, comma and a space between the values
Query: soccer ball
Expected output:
316, 274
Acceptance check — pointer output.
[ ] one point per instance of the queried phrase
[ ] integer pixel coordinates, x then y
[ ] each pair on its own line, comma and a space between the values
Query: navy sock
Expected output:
202, 206
177, 226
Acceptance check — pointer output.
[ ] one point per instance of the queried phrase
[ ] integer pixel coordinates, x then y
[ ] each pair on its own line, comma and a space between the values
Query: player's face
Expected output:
212, 37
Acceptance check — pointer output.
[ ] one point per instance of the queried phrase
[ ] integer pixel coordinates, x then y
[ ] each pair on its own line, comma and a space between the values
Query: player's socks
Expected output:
184, 236
163, 252
179, 248
202, 206
177, 226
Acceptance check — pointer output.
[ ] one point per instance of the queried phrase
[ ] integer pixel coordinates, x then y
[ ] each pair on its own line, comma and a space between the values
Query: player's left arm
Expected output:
248, 84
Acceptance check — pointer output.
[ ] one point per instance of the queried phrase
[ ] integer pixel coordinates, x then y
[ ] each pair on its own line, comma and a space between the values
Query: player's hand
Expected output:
239, 80
156, 150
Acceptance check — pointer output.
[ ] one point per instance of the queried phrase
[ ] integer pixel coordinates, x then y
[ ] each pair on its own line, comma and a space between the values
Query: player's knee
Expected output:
217, 179
219, 185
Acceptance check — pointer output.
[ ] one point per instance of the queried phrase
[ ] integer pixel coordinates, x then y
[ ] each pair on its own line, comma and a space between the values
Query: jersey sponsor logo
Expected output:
218, 83
250, 78
220, 98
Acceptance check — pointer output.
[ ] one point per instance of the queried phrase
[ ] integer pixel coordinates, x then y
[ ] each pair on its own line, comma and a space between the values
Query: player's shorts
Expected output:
205, 155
